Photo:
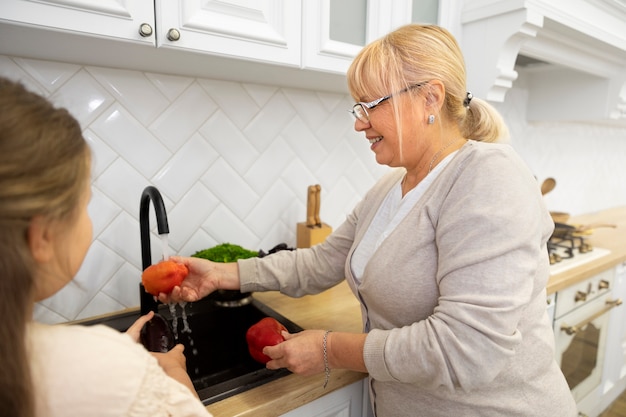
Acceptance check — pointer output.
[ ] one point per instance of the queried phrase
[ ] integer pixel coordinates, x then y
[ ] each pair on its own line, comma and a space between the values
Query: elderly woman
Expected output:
446, 253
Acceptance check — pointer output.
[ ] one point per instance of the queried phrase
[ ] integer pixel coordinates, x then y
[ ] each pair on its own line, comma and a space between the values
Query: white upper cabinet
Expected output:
334, 31
224, 39
322, 51
263, 30
109, 18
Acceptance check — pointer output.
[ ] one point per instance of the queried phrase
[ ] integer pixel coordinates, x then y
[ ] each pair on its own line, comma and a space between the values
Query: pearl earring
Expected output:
431, 119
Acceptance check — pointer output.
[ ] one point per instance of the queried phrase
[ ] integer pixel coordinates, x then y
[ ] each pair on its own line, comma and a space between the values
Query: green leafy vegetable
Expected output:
226, 252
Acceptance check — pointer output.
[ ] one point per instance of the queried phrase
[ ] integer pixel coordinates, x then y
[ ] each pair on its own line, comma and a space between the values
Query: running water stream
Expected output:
165, 249
186, 328
174, 314
172, 306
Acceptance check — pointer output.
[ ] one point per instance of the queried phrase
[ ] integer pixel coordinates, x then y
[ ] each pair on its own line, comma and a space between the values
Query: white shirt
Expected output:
99, 372
391, 212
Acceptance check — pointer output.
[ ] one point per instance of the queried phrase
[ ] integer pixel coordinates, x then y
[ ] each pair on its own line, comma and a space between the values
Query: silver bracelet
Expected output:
326, 367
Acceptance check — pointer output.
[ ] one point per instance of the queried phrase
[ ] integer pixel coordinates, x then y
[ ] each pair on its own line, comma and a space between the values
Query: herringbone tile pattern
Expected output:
231, 160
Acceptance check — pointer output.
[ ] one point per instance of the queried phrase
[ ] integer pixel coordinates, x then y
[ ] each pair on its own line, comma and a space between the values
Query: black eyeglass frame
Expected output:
368, 106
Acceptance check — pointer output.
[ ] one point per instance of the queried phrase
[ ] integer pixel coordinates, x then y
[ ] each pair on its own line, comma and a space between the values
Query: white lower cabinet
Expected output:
349, 401
614, 375
612, 358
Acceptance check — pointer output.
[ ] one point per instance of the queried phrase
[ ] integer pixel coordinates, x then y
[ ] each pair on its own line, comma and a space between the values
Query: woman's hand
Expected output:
301, 353
204, 277
134, 331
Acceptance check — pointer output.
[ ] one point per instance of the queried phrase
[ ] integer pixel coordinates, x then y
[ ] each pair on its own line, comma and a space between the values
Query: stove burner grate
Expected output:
564, 243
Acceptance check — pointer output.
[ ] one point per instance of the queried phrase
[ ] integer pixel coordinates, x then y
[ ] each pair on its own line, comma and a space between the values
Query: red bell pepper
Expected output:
162, 277
266, 332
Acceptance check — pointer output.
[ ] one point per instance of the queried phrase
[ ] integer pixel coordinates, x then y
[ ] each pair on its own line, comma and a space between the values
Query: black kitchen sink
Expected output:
217, 355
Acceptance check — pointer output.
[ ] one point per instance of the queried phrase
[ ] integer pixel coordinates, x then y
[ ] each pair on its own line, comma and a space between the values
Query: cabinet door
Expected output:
108, 18
615, 365
345, 402
263, 30
334, 31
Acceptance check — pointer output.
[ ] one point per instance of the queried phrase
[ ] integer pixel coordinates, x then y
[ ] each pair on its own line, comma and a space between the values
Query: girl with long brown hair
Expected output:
45, 231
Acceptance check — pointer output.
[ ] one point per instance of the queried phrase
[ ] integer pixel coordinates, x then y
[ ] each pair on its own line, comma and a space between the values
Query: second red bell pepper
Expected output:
266, 332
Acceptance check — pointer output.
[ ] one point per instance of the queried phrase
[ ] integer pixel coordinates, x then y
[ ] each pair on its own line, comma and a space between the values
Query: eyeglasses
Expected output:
359, 110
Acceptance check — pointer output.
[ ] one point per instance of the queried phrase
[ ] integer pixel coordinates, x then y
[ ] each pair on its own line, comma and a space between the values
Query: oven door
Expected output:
580, 337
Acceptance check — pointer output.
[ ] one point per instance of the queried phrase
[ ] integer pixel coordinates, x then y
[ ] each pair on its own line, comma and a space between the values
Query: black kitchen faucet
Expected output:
150, 193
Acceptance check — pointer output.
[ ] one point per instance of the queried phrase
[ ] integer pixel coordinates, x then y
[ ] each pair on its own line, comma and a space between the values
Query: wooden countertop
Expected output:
613, 239
336, 309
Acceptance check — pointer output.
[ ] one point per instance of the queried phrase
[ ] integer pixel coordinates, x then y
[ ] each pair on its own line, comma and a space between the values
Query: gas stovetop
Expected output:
577, 258
568, 248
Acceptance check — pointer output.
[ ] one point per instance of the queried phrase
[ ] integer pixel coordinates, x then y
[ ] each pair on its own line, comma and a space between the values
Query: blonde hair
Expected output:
415, 54
44, 166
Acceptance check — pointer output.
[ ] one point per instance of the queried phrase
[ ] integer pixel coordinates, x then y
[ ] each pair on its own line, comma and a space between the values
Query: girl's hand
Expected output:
134, 331
172, 361
174, 364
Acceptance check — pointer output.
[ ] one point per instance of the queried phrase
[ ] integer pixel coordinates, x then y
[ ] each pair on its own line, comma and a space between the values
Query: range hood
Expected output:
572, 54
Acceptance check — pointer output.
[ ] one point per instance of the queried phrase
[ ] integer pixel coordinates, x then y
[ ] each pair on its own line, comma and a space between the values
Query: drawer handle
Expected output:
570, 330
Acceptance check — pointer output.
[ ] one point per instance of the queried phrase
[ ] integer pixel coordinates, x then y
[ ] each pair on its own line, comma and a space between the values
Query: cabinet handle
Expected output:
603, 285
173, 35
580, 296
145, 30
570, 330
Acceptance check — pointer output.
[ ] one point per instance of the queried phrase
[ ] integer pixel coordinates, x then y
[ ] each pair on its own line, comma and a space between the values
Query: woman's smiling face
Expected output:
384, 135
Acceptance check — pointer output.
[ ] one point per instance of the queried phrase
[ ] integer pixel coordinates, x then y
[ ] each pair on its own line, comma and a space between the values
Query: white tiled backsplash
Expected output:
233, 162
